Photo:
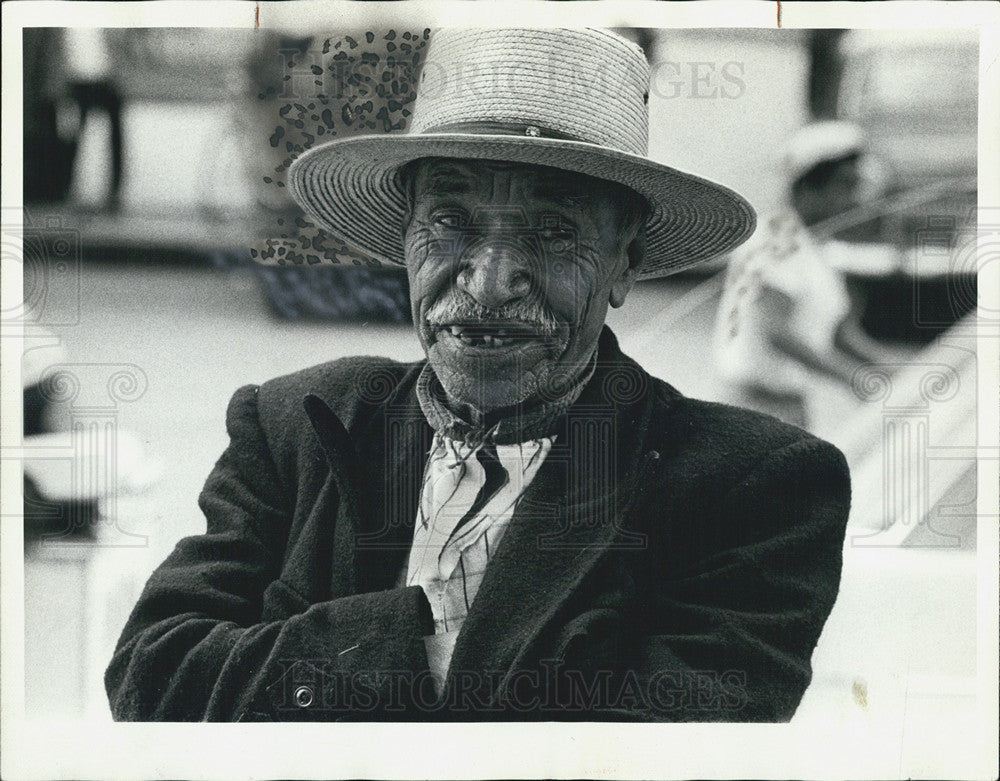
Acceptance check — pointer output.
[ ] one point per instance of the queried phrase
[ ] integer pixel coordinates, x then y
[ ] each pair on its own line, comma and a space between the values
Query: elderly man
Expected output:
526, 525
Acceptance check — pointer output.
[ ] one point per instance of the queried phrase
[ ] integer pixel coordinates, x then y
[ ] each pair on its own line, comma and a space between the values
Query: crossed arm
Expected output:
217, 635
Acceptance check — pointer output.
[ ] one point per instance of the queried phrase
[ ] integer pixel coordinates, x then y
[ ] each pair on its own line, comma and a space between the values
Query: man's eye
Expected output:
448, 219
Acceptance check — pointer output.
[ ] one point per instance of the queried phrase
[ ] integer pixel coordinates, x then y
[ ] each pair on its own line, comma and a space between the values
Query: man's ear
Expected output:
635, 253
621, 286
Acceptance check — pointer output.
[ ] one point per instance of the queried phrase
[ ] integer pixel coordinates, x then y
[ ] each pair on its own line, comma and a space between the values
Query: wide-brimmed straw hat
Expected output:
570, 99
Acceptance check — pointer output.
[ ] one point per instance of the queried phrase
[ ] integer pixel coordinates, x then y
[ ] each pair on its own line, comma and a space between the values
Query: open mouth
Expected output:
490, 335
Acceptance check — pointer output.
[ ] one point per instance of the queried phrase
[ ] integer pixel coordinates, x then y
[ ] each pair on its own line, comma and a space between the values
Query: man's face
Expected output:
511, 271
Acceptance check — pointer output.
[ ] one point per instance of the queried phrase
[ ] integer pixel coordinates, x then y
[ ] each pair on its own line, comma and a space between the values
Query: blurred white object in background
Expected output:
87, 55
91, 178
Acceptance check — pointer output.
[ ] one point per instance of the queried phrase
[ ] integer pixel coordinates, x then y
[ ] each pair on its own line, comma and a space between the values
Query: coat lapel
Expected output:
393, 451
373, 488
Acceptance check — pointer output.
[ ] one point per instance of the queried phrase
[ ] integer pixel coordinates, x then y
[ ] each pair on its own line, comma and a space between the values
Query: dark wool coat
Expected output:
672, 560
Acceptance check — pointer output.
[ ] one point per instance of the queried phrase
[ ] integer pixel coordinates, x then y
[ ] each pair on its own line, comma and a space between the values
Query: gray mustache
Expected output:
452, 309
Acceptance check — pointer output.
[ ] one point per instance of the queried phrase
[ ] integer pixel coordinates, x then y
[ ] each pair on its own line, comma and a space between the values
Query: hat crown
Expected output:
579, 84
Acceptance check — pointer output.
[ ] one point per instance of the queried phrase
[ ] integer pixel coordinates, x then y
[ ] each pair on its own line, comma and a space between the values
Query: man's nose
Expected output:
495, 271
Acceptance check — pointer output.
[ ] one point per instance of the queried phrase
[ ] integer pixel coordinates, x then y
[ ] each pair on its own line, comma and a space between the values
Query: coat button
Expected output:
303, 696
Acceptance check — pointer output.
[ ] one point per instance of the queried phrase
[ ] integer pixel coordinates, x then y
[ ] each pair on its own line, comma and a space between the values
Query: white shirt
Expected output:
468, 497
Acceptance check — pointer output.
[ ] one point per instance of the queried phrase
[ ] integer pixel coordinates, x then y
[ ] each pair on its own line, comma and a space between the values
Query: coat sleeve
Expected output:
728, 634
197, 645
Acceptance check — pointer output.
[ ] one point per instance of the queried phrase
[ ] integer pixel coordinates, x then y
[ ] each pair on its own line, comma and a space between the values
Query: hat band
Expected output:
503, 129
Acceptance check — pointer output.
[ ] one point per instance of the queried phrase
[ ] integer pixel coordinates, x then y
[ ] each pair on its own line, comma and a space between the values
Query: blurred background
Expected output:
165, 266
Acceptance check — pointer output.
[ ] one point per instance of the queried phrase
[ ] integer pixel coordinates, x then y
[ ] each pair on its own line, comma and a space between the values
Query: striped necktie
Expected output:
471, 479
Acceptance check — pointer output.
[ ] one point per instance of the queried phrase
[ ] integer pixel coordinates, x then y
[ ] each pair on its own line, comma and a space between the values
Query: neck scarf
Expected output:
520, 423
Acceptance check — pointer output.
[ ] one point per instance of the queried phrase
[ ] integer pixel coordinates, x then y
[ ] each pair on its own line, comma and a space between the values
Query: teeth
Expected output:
501, 338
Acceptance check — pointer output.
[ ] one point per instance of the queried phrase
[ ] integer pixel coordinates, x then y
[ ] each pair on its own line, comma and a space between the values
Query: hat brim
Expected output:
349, 187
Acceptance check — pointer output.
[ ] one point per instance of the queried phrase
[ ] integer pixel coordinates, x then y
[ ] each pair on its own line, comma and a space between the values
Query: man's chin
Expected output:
490, 378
